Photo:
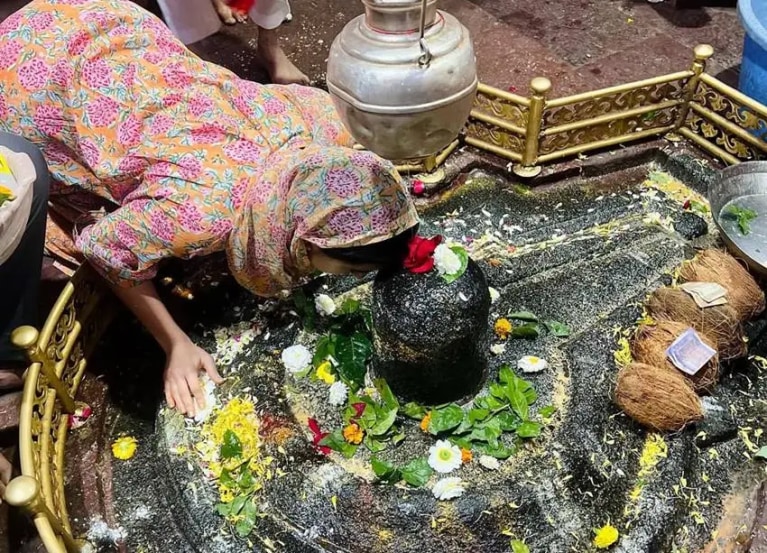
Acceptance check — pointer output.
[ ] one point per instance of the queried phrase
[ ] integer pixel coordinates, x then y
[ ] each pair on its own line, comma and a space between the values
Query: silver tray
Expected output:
744, 185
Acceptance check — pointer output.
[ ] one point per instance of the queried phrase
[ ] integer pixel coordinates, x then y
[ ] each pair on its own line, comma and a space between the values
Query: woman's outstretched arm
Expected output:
184, 360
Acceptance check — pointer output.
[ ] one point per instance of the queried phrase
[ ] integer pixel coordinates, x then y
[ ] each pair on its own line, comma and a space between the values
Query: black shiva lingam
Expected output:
430, 335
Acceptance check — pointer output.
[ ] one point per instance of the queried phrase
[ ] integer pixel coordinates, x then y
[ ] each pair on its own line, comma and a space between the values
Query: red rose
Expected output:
420, 256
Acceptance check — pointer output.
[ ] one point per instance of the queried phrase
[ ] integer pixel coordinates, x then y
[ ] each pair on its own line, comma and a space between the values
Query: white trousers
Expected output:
193, 20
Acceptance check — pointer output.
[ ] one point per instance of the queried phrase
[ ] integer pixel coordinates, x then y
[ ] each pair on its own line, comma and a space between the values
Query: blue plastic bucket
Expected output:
753, 69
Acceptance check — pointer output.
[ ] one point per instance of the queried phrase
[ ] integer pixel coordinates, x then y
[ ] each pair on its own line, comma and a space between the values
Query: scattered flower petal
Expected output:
444, 456
317, 436
338, 393
359, 408
425, 422
490, 463
353, 433
466, 455
498, 349
296, 358
494, 295
448, 488
81, 415
208, 389
324, 372
606, 536
325, 305
124, 448
532, 364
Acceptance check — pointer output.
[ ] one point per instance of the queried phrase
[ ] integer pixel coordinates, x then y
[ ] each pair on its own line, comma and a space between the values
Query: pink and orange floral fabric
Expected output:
195, 159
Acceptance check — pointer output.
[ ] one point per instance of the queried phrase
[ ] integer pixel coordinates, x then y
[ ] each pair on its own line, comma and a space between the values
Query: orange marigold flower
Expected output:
502, 328
425, 422
466, 455
353, 433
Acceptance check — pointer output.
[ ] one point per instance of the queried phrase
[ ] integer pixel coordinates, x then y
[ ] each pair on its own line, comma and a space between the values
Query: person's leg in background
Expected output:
20, 274
269, 15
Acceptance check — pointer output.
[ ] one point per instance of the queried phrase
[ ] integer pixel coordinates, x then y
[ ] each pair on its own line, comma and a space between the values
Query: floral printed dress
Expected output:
124, 111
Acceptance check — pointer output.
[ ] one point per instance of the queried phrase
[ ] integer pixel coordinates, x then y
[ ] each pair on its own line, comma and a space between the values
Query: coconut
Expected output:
656, 397
651, 342
720, 322
743, 292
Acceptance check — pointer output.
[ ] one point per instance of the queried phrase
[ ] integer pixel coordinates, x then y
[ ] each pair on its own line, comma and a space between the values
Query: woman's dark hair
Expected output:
389, 254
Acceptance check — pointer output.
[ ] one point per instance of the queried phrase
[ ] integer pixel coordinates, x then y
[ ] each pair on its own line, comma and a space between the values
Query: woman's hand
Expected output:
182, 376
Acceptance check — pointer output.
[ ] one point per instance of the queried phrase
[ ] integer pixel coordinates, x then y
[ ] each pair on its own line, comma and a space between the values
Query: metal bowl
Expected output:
745, 186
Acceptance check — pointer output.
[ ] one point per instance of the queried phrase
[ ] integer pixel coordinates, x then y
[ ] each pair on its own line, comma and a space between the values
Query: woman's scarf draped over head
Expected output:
333, 197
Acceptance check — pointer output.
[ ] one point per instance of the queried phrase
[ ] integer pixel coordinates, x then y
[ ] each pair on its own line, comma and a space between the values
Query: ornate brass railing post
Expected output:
24, 492
539, 87
702, 54
25, 337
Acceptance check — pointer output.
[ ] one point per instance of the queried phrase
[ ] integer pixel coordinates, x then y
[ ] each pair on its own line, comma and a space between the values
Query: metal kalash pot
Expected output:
403, 78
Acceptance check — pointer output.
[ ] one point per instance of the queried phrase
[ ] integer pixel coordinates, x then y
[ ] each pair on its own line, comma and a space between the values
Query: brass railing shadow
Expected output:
529, 131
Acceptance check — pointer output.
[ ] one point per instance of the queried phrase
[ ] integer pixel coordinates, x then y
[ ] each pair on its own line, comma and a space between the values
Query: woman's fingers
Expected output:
198, 398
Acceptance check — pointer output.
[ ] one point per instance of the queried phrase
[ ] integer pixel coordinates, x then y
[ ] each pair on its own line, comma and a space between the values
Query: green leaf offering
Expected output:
498, 450
336, 442
326, 347
547, 412
232, 447
373, 445
413, 410
245, 526
384, 421
743, 216
352, 354
529, 429
528, 331
464, 258
445, 419
387, 397
349, 307
305, 309
524, 316
762, 453
518, 546
558, 329
417, 472
385, 471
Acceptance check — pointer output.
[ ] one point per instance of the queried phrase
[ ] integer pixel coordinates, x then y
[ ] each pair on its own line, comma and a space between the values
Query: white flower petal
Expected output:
444, 457
498, 349
208, 388
446, 261
448, 488
337, 393
325, 305
490, 463
296, 358
532, 364
494, 295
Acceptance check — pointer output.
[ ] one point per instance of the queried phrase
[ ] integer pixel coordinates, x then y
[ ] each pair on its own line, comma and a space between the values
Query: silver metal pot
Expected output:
403, 78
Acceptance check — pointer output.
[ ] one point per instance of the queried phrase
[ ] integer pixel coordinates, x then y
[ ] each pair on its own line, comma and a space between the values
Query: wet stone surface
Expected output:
430, 336
584, 253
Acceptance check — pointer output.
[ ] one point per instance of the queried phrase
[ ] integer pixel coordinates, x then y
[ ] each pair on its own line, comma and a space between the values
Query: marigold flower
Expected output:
353, 433
124, 448
425, 422
324, 373
466, 455
606, 536
502, 328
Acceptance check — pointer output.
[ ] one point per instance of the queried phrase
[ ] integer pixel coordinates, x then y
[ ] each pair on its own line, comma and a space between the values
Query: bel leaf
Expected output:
464, 258
524, 316
445, 419
385, 471
505, 374
387, 397
326, 347
349, 306
224, 509
373, 445
352, 354
384, 421
499, 450
519, 403
558, 329
478, 414
414, 411
232, 447
547, 412
417, 472
762, 453
237, 504
529, 429
527, 331
518, 546
508, 421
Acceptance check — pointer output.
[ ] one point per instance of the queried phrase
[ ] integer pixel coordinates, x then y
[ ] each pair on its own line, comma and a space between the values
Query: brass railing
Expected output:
529, 131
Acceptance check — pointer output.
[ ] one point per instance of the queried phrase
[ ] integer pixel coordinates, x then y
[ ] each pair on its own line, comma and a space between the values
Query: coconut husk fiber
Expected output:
651, 342
720, 322
743, 292
657, 398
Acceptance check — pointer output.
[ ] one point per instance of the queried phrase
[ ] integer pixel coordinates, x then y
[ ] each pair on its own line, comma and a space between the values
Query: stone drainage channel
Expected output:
582, 253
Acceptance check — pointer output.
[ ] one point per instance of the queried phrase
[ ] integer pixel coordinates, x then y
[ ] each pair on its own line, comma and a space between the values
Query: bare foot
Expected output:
224, 12
240, 16
281, 69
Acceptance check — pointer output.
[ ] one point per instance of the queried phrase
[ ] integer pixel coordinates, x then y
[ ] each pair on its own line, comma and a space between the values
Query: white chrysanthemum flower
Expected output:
325, 305
446, 260
296, 358
448, 488
208, 388
532, 364
444, 457
494, 295
498, 349
337, 393
490, 463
